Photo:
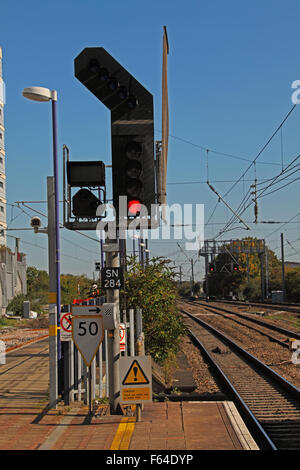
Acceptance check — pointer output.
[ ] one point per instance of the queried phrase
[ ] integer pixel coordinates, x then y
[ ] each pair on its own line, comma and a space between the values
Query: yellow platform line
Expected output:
123, 435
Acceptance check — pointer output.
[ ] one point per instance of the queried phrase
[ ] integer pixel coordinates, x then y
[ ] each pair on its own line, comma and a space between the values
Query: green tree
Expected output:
154, 291
246, 281
38, 287
292, 283
37, 280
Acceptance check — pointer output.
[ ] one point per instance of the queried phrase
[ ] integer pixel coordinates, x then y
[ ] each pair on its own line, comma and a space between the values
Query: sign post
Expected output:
87, 334
111, 248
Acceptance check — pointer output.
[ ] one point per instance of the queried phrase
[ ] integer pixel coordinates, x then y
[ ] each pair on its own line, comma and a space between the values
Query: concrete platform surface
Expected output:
164, 426
27, 424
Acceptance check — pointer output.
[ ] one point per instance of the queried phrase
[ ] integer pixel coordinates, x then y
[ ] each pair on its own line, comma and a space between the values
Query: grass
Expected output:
29, 323
291, 320
10, 322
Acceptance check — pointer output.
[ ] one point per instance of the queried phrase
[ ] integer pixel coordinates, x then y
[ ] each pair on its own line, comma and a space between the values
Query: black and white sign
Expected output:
106, 310
112, 278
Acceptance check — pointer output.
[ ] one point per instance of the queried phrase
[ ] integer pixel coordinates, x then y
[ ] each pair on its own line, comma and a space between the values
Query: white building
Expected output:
12, 264
3, 224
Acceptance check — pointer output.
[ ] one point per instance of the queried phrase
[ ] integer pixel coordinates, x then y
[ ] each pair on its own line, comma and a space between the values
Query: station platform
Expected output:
30, 425
163, 426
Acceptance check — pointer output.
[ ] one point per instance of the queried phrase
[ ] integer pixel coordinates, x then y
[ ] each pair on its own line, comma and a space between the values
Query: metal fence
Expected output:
75, 374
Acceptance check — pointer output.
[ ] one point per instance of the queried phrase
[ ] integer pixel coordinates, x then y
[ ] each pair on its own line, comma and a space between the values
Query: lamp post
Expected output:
44, 94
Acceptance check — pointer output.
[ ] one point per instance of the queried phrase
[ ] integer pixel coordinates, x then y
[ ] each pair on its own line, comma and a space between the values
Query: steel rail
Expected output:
253, 424
279, 329
250, 419
257, 330
282, 306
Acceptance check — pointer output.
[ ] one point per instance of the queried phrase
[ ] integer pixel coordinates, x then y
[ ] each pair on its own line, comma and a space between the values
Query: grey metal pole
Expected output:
94, 378
267, 272
139, 322
142, 252
79, 376
57, 238
100, 371
85, 383
147, 252
282, 268
106, 364
206, 272
192, 263
90, 389
53, 393
131, 331
262, 270
113, 336
66, 371
72, 372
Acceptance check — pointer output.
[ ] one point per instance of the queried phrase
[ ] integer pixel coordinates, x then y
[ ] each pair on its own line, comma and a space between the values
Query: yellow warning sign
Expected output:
136, 394
135, 375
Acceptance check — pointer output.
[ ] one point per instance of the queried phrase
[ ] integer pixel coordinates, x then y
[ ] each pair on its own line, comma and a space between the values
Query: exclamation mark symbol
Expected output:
135, 370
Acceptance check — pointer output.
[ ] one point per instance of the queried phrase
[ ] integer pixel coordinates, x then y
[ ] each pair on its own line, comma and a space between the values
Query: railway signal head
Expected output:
235, 268
132, 128
211, 268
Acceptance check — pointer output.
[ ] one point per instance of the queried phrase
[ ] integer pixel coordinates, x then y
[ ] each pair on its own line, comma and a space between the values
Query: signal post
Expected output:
133, 171
111, 248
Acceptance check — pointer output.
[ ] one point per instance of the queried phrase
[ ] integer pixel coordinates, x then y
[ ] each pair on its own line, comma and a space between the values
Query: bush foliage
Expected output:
154, 291
38, 287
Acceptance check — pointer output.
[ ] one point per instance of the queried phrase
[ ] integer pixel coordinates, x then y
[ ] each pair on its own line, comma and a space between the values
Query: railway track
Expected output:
283, 334
268, 403
294, 308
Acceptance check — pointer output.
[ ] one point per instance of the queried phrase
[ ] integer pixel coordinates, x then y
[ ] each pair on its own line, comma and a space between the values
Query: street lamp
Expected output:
44, 94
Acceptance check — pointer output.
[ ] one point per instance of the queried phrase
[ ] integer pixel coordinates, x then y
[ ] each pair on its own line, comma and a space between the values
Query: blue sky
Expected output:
231, 66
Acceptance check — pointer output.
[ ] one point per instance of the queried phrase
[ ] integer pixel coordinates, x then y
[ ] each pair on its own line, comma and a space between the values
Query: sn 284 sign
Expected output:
112, 278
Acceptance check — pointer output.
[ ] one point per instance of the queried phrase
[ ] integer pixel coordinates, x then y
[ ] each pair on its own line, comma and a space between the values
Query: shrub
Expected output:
153, 290
16, 304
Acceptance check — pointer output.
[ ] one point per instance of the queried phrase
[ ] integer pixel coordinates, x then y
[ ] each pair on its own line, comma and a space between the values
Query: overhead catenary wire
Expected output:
291, 170
35, 245
255, 160
213, 151
262, 190
264, 147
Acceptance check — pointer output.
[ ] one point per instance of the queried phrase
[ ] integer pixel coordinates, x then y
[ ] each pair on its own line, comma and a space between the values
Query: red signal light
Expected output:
134, 207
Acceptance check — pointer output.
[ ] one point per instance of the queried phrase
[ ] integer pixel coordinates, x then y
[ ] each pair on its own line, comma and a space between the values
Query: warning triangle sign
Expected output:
135, 375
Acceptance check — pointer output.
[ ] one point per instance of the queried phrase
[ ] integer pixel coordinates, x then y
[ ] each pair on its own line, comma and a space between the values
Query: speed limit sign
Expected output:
88, 333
